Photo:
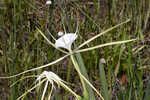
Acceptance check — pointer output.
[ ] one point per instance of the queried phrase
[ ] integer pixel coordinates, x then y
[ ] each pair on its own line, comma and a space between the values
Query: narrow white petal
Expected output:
66, 40
59, 43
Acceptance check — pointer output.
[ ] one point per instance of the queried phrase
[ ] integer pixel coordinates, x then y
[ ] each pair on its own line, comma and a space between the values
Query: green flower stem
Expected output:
66, 87
78, 70
98, 35
104, 45
82, 77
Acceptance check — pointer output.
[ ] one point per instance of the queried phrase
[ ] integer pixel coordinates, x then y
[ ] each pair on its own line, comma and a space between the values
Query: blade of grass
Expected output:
118, 64
147, 91
76, 65
86, 42
33, 69
104, 82
68, 77
31, 89
84, 72
103, 45
67, 88
50, 42
31, 76
83, 78
130, 74
85, 14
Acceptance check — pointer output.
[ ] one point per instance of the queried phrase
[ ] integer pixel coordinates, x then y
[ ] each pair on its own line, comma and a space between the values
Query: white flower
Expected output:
48, 2
60, 33
50, 76
66, 41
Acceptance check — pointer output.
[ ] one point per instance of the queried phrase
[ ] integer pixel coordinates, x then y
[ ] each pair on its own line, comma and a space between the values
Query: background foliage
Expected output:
127, 65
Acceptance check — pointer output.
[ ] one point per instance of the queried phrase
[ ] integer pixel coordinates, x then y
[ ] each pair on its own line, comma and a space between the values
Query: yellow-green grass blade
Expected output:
31, 89
84, 79
98, 35
52, 44
85, 93
147, 90
103, 82
31, 76
33, 69
71, 91
84, 72
122, 48
103, 45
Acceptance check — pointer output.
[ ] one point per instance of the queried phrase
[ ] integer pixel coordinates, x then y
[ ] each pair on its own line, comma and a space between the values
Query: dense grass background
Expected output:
127, 65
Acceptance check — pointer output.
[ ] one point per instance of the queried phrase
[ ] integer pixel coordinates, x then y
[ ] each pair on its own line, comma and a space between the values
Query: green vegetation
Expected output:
118, 72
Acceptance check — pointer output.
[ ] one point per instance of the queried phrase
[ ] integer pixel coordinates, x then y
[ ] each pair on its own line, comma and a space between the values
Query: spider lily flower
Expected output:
66, 41
50, 76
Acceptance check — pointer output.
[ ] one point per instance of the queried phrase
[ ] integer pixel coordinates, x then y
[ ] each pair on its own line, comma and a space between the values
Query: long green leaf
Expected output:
103, 45
103, 81
84, 72
147, 92
95, 37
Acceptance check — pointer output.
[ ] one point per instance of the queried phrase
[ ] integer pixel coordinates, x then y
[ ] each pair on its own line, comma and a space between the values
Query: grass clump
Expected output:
125, 74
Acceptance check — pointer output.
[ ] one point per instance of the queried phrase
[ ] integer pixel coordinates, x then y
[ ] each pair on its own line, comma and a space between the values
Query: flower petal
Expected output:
66, 41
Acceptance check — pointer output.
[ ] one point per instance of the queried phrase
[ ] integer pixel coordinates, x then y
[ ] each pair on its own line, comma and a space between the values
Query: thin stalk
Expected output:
31, 89
33, 69
82, 77
98, 35
83, 71
78, 70
49, 97
103, 45
44, 91
104, 82
65, 86
51, 42
31, 76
